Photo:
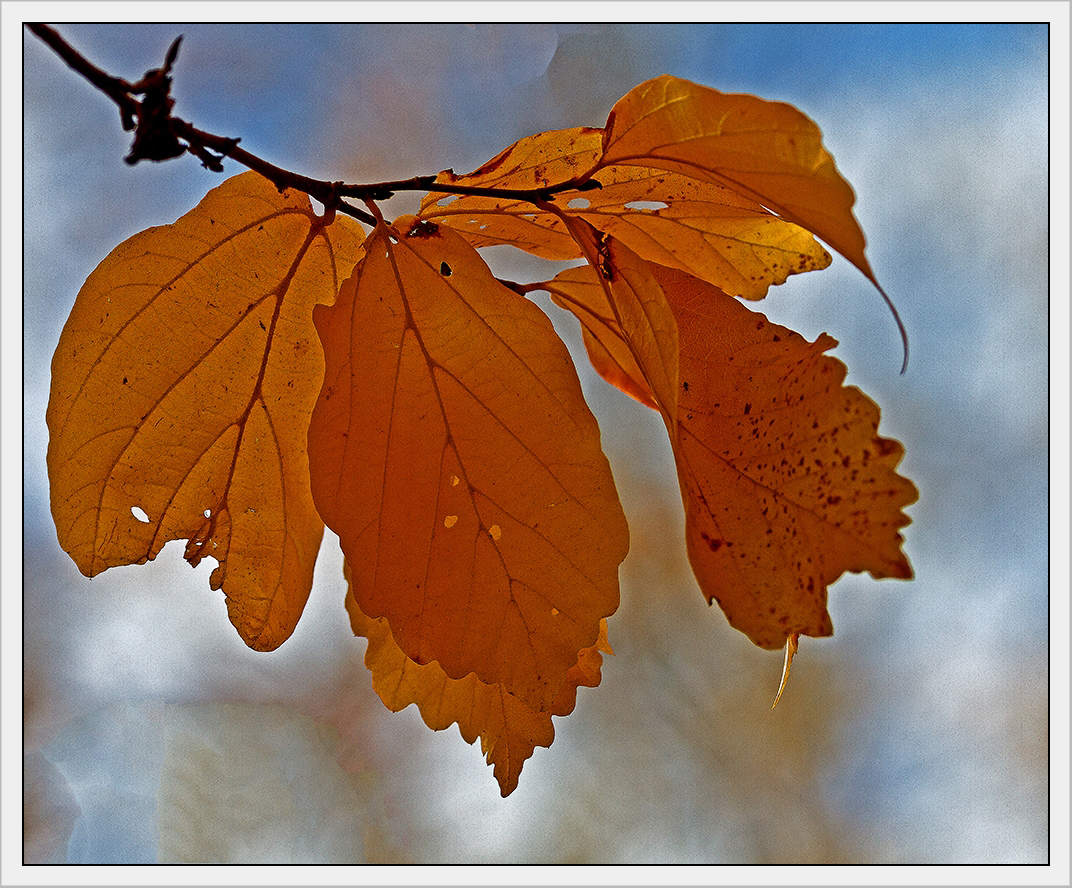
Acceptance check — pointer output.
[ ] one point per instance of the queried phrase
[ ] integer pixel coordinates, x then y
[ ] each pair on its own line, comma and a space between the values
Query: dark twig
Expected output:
116, 88
159, 135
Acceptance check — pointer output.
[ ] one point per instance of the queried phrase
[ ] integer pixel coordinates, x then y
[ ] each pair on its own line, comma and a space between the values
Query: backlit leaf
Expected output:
453, 453
533, 162
509, 731
704, 228
700, 227
767, 151
629, 329
786, 482
181, 390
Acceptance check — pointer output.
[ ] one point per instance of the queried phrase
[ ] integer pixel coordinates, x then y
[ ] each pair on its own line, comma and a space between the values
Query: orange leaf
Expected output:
508, 730
767, 151
628, 326
703, 228
786, 481
453, 453
531, 163
181, 390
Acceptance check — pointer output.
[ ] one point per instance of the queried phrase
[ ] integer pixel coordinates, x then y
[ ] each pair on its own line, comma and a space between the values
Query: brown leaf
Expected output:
509, 731
767, 151
786, 482
181, 390
453, 453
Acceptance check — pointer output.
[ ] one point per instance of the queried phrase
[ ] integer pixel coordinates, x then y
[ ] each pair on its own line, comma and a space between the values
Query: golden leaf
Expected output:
181, 390
453, 453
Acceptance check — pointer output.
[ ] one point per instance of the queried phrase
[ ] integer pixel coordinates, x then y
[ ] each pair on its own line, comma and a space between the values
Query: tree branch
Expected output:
161, 136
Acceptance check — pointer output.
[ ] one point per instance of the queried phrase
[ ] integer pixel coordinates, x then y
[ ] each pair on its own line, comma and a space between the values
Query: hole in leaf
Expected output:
454, 480
495, 531
445, 269
646, 205
450, 520
579, 203
139, 513
449, 199
208, 513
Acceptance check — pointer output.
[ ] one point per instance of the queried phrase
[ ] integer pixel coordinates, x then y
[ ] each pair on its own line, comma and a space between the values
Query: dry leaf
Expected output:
455, 457
767, 151
181, 393
508, 730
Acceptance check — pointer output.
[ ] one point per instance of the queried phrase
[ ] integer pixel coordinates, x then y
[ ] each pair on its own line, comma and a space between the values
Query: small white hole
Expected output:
139, 513
646, 205
208, 513
579, 203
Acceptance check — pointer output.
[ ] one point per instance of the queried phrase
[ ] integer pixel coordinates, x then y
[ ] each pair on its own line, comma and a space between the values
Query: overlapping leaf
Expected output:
181, 391
453, 453
628, 326
698, 226
509, 730
531, 163
449, 445
768, 151
786, 482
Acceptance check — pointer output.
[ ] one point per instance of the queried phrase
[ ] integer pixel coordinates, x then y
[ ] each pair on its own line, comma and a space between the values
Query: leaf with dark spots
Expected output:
172, 440
774, 513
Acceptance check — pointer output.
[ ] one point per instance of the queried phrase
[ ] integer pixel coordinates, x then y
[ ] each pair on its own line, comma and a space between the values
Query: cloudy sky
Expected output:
918, 734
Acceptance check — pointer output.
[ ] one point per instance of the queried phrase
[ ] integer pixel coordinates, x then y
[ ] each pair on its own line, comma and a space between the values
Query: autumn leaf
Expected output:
181, 390
786, 482
767, 151
508, 730
629, 328
453, 453
435, 421
532, 163
701, 227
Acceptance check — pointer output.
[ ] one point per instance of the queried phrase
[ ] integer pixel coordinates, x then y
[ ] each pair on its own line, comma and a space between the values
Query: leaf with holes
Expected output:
181, 391
701, 227
453, 453
767, 151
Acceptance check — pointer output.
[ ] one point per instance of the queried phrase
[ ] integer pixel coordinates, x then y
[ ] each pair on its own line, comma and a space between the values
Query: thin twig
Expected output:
160, 136
114, 87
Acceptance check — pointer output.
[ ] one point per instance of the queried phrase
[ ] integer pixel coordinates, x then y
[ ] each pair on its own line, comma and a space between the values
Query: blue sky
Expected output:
932, 743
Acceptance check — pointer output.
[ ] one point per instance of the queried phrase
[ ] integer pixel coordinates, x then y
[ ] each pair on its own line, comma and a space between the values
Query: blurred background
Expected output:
917, 734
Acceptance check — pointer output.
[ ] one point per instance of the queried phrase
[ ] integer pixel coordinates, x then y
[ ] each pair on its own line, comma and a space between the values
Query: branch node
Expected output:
154, 138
